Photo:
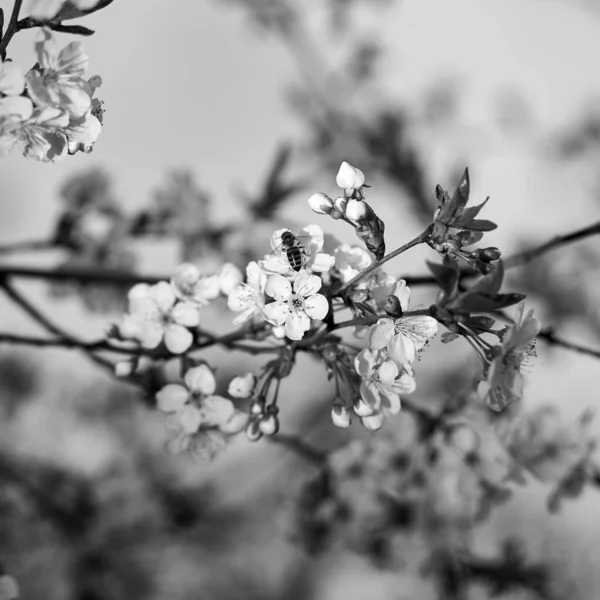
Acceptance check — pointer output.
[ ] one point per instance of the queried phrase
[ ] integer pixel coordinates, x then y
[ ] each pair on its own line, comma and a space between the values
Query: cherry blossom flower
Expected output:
249, 298
312, 239
294, 308
230, 277
58, 80
405, 336
349, 177
242, 386
504, 382
382, 383
350, 260
191, 285
156, 315
83, 132
197, 415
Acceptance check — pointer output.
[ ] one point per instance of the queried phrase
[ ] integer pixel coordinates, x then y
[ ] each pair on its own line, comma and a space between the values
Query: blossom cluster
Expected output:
51, 110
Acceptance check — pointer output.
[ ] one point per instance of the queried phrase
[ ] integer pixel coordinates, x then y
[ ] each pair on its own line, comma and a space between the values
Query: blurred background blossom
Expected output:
222, 114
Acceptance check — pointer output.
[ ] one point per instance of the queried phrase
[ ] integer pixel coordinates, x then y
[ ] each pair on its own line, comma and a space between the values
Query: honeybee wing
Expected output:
304, 244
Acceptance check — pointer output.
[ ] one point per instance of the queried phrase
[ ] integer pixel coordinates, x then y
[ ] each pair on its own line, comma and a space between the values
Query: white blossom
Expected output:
249, 298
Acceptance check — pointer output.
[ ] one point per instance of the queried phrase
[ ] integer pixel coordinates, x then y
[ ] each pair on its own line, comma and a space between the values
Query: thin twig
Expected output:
418, 240
26, 246
11, 29
554, 243
548, 335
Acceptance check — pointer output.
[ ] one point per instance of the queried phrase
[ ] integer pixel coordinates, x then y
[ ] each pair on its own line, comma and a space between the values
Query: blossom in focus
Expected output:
312, 239
504, 383
192, 408
349, 177
58, 80
382, 383
242, 386
405, 336
155, 315
295, 307
83, 132
249, 298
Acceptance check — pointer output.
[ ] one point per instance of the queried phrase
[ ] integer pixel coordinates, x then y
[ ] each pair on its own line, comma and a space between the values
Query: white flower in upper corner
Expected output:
349, 177
230, 277
242, 386
504, 383
382, 383
58, 80
405, 336
295, 308
192, 286
156, 315
249, 298
311, 239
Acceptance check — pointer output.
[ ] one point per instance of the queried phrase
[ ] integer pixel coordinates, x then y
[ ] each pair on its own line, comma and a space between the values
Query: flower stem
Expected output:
418, 240
11, 29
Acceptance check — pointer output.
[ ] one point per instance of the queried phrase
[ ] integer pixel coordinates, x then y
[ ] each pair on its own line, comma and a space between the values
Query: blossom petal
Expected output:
187, 420
12, 81
391, 403
236, 423
163, 295
316, 307
201, 380
279, 287
373, 422
178, 339
296, 324
17, 106
317, 237
419, 329
321, 263
365, 362
241, 386
186, 314
370, 393
150, 334
388, 372
256, 277
402, 349
402, 292
307, 285
276, 313
216, 410
406, 384
171, 398
381, 334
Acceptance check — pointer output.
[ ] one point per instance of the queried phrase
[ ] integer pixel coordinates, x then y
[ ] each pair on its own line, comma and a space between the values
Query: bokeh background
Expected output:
409, 91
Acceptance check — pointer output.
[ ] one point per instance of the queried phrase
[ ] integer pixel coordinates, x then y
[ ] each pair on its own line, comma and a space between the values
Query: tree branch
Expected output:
548, 335
11, 29
301, 448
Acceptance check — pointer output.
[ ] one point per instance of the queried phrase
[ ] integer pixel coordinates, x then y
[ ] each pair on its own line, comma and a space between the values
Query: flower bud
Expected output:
361, 408
449, 246
357, 210
269, 424
253, 433
340, 416
373, 422
241, 387
322, 204
257, 407
125, 368
229, 278
340, 204
349, 177
393, 307
492, 253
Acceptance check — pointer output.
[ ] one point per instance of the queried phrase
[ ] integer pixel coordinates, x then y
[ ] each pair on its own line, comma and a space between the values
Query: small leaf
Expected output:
74, 29
468, 238
449, 336
468, 214
460, 196
479, 323
480, 225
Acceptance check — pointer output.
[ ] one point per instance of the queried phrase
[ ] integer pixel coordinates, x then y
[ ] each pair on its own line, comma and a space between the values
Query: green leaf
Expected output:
479, 323
460, 196
74, 29
468, 238
474, 302
469, 213
480, 225
490, 284
449, 336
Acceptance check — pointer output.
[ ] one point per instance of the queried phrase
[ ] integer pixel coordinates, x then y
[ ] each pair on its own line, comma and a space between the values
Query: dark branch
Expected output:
301, 448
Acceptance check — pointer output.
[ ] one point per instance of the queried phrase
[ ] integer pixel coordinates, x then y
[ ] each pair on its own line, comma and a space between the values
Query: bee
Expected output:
294, 250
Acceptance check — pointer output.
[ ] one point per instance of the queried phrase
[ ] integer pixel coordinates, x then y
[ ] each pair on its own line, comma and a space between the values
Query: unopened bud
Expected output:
357, 210
269, 424
373, 422
340, 416
361, 408
322, 204
349, 177
125, 368
253, 433
257, 407
492, 253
